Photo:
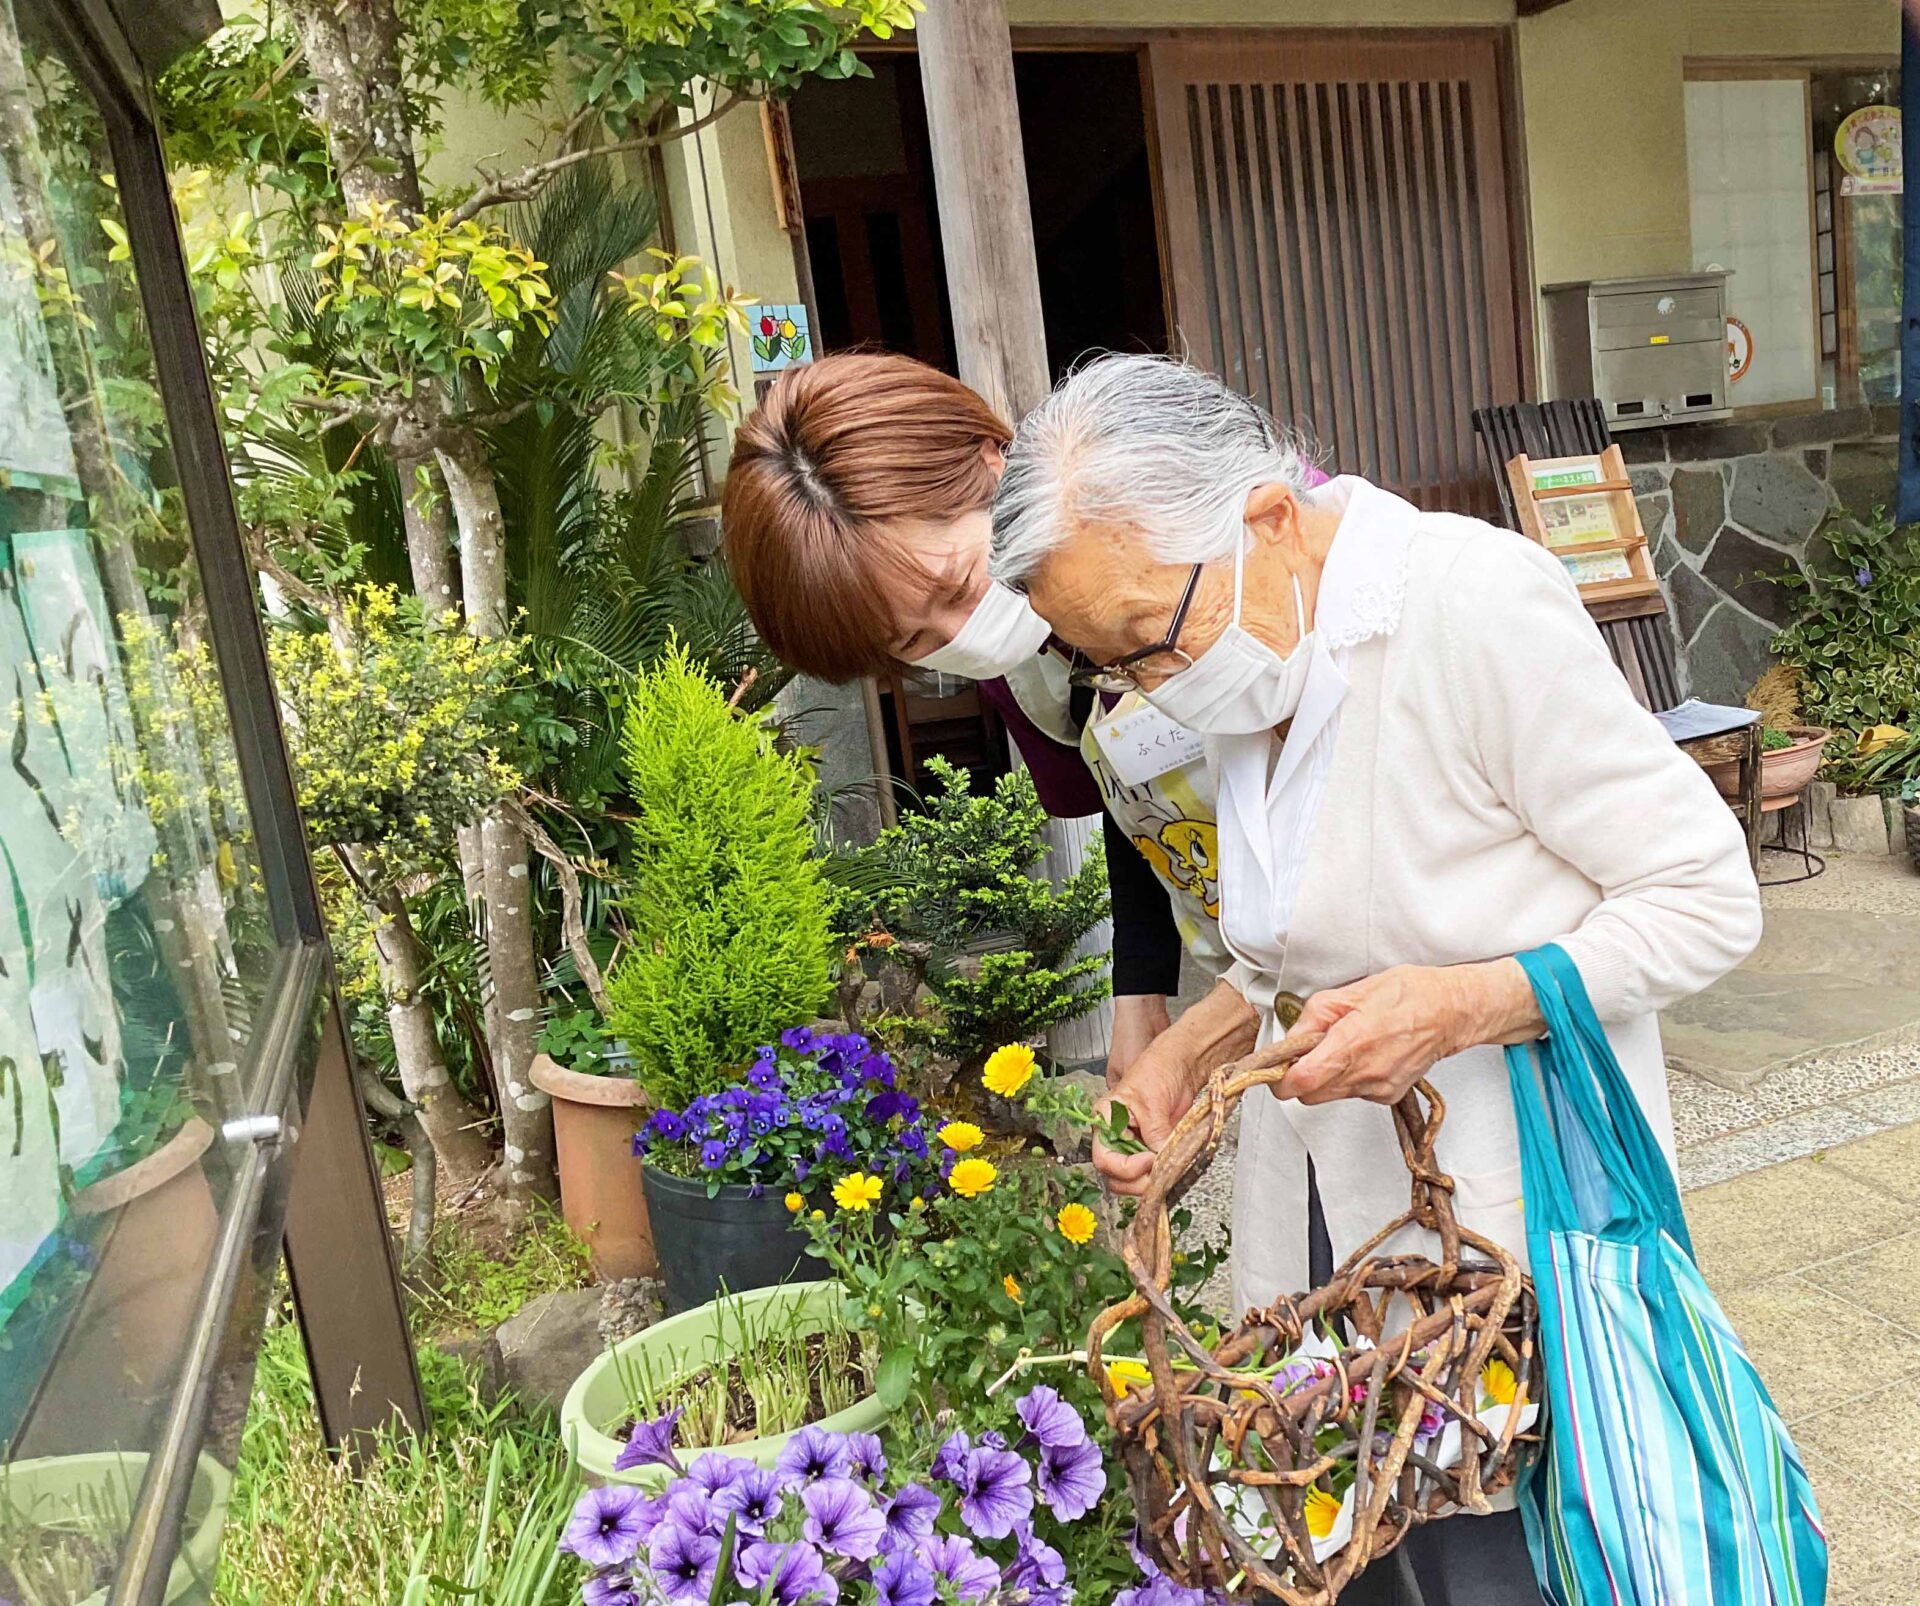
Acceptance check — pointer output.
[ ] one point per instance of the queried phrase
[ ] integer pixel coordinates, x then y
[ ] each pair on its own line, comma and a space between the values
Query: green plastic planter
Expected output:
596, 1405
54, 1488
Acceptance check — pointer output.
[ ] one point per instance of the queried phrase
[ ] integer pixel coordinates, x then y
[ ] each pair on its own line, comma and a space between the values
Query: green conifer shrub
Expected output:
726, 903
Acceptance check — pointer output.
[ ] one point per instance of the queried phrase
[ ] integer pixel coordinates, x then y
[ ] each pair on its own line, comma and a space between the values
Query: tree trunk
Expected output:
513, 991
430, 554
352, 49
454, 1127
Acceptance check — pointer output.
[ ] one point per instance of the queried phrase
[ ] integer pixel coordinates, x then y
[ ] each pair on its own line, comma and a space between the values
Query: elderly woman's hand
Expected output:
1385, 1033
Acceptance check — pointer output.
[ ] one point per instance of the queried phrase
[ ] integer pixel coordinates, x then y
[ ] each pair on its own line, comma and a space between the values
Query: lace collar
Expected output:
1364, 583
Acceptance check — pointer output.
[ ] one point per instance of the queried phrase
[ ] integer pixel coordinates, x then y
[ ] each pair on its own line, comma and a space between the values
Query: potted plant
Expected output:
728, 1174
739, 1376
62, 1518
1789, 759
597, 1107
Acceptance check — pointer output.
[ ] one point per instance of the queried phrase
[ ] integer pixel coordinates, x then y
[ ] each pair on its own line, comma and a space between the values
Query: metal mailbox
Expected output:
1654, 351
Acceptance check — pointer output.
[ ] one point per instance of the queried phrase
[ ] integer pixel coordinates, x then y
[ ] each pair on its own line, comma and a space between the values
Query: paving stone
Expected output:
1871, 1537
1884, 1279
1859, 825
1770, 1222
1862, 475
1886, 421
1889, 1160
1776, 498
1813, 1349
1823, 1081
1817, 459
1788, 1138
1823, 428
1878, 1444
1738, 566
1690, 598
1895, 1105
1656, 512
1666, 555
1820, 796
548, 1343
1638, 446
1649, 480
1704, 1110
1699, 507
1727, 654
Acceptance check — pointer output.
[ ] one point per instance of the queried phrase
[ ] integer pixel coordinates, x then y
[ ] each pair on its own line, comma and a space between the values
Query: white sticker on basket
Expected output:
1144, 744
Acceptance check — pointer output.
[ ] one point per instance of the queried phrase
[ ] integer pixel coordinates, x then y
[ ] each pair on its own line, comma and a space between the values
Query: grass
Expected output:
479, 1285
470, 1513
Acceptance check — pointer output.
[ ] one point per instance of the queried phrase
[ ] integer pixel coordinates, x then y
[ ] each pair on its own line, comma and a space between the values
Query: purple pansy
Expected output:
952, 1557
608, 1525
812, 1454
752, 1499
650, 1444
842, 1519
911, 1513
869, 1461
713, 1154
1050, 1420
683, 1561
798, 1038
995, 1491
787, 1575
903, 1579
1072, 1478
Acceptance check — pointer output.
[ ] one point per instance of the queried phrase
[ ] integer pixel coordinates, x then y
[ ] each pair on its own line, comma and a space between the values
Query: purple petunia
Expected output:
683, 1561
842, 1519
1072, 1478
903, 1579
1052, 1422
952, 1557
911, 1513
608, 1525
1038, 1569
650, 1444
812, 1454
714, 1472
869, 1461
691, 1507
1161, 1591
609, 1587
995, 1491
752, 1500
787, 1575
951, 1456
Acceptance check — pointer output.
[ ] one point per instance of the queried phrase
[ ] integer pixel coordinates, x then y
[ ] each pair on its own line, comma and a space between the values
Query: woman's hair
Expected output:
839, 449
1151, 443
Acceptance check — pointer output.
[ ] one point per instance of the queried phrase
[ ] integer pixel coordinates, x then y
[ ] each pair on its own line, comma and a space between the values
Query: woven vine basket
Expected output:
1410, 1400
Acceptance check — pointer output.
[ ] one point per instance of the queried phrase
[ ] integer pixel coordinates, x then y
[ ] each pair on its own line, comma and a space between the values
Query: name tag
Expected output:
1144, 744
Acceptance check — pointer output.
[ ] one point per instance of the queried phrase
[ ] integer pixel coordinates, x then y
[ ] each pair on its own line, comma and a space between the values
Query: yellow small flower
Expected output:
960, 1136
1076, 1223
1012, 1285
1323, 1511
874, 1311
1126, 1376
856, 1192
795, 1203
819, 1215
1498, 1384
917, 1204
972, 1177
1009, 1069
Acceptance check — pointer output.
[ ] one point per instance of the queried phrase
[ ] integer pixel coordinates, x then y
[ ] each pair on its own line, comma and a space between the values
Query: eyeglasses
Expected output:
1119, 675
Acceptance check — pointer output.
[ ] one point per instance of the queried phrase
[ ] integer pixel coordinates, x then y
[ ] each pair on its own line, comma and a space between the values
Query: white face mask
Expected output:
1000, 635
1239, 685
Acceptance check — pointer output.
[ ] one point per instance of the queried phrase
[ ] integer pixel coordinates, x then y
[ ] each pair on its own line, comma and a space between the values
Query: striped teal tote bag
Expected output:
1668, 1478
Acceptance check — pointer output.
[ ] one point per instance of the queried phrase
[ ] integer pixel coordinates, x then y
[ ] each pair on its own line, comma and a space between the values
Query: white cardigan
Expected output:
1470, 776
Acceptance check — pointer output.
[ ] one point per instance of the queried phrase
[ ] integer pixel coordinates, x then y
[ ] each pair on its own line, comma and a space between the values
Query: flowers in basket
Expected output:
832, 1524
812, 1110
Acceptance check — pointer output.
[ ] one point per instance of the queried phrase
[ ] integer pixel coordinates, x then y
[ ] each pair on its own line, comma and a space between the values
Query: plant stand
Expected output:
1794, 811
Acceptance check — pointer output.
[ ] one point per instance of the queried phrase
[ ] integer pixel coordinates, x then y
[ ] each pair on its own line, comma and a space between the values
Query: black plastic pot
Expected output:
732, 1241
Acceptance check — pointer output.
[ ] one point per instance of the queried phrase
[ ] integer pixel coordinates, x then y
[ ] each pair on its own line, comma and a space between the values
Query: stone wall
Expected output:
1725, 503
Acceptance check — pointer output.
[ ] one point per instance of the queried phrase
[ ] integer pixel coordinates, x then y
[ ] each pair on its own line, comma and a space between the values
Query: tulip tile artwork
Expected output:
781, 338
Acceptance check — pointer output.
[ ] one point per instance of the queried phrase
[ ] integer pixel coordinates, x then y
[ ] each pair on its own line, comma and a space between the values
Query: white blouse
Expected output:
1468, 775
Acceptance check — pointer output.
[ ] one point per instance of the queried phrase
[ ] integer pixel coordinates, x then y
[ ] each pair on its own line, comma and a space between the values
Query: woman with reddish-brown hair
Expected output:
857, 526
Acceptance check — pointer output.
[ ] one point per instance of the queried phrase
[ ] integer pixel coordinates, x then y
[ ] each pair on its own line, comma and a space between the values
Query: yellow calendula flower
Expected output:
795, 1203
1009, 1069
1012, 1286
819, 1215
1498, 1384
960, 1136
1323, 1511
1126, 1376
917, 1204
972, 1177
1076, 1223
856, 1192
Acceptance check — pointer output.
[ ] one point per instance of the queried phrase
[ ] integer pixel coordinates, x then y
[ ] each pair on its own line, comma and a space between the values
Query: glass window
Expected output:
134, 934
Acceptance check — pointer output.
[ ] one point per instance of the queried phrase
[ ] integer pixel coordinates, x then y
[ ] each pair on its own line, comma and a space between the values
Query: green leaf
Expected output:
893, 1380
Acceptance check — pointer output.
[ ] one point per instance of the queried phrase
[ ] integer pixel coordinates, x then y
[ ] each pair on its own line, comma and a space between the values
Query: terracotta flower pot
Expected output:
130, 1329
1784, 772
601, 1196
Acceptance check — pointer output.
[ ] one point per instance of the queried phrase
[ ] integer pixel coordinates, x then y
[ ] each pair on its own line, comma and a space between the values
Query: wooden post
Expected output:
993, 282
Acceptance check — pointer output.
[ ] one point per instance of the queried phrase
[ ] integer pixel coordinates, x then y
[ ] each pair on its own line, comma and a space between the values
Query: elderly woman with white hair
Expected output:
1426, 764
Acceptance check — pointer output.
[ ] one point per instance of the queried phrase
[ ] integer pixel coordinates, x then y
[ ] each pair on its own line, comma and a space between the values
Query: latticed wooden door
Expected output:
1339, 242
